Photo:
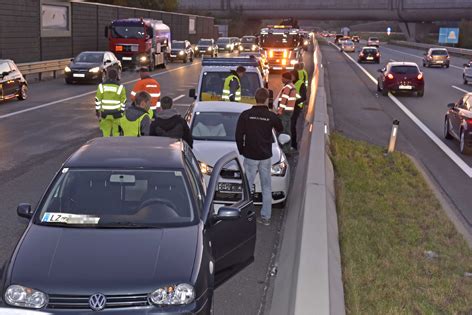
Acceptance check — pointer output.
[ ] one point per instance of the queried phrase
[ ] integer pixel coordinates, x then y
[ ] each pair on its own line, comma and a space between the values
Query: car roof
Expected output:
221, 106
437, 48
128, 153
402, 63
6, 60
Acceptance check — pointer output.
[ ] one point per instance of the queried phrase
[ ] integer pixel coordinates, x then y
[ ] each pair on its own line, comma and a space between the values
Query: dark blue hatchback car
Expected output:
128, 227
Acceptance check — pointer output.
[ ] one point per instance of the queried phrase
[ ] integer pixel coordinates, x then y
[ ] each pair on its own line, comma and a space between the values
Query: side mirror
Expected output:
106, 31
227, 213
284, 138
451, 105
107, 61
24, 210
466, 65
5, 73
192, 94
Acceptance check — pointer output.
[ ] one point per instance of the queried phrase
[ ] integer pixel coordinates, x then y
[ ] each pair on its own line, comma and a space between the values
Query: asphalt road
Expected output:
361, 112
37, 135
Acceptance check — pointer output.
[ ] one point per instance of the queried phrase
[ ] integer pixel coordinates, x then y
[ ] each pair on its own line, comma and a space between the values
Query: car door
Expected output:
454, 117
233, 241
464, 111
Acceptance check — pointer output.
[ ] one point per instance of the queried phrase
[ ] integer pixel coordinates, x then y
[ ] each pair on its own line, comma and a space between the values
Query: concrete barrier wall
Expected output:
309, 277
20, 37
452, 50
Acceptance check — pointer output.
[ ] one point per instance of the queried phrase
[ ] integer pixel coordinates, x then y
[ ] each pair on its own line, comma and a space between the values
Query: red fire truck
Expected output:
283, 46
139, 42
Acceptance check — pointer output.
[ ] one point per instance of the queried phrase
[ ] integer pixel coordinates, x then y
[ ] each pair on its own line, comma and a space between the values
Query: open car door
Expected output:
232, 228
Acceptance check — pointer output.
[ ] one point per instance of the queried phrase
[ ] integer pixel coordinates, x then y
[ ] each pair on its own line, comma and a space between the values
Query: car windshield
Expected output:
278, 40
204, 42
439, 52
211, 88
348, 42
178, 45
127, 32
117, 198
223, 41
4, 67
248, 40
404, 70
214, 126
89, 57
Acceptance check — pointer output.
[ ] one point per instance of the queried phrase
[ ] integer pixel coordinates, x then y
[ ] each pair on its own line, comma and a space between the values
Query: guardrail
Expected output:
309, 276
452, 50
40, 67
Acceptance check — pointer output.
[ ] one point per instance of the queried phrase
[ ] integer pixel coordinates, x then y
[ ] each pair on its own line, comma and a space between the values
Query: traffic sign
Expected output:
389, 31
448, 35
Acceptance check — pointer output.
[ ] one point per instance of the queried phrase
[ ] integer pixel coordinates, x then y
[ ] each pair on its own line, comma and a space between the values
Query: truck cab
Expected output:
216, 70
139, 42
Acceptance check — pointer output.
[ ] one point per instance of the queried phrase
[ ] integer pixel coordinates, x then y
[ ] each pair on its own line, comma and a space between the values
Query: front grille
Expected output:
82, 301
128, 47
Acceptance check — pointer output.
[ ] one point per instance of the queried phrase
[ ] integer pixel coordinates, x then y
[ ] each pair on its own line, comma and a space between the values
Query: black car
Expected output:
128, 227
206, 47
12, 82
225, 44
181, 50
91, 66
369, 54
248, 43
458, 123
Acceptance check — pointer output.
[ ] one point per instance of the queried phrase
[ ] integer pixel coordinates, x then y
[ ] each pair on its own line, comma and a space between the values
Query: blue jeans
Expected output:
264, 168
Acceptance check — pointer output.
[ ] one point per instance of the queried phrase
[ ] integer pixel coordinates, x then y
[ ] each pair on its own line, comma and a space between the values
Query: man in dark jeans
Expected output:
254, 139
169, 123
299, 105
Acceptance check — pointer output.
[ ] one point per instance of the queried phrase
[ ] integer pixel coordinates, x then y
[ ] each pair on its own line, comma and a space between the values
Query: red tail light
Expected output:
469, 121
361, 54
390, 76
377, 55
420, 76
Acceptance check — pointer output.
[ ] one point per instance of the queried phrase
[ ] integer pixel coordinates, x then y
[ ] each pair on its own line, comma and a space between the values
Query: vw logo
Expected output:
97, 302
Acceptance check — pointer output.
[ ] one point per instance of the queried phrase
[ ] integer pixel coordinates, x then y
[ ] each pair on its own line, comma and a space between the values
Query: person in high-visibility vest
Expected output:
232, 85
109, 104
302, 73
136, 120
298, 109
150, 85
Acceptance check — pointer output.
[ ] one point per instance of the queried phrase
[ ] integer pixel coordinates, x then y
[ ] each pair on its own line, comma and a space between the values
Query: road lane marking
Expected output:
87, 93
459, 89
448, 151
178, 97
412, 55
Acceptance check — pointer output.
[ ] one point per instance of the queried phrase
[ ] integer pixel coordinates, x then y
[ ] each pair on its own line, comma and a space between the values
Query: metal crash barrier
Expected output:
41, 67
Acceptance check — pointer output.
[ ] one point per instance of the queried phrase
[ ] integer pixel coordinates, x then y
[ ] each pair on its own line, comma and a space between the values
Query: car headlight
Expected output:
173, 295
181, 52
17, 295
280, 169
210, 49
67, 69
205, 168
305, 42
241, 48
143, 58
293, 62
95, 70
254, 47
228, 46
196, 48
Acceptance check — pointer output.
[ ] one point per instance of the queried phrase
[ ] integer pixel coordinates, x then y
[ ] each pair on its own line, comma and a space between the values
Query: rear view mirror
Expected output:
227, 213
24, 210
192, 94
284, 138
451, 105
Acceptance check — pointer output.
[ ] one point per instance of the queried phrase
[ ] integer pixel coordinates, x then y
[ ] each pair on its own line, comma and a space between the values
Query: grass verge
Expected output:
400, 253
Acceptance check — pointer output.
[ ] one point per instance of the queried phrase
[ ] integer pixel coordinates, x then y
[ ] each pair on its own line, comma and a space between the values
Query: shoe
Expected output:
263, 221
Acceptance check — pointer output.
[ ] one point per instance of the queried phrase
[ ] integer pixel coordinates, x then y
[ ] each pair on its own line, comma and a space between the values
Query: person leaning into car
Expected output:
254, 139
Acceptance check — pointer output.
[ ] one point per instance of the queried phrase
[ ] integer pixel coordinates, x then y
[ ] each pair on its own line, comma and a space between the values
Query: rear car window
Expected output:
213, 82
374, 38
404, 69
439, 52
370, 51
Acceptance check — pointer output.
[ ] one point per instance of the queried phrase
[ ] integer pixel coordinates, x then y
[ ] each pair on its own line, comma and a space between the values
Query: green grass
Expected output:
388, 217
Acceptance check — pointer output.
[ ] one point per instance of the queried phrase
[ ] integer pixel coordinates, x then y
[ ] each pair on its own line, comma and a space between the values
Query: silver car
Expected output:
373, 41
348, 46
467, 74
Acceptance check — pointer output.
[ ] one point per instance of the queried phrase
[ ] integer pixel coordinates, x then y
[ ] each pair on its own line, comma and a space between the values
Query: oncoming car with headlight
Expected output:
91, 66
213, 127
181, 50
128, 227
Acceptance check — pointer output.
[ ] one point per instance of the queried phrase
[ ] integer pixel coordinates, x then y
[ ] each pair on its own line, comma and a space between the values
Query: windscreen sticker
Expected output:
69, 218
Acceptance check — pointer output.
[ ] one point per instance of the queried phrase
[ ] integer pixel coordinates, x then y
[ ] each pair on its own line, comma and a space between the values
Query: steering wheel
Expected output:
166, 202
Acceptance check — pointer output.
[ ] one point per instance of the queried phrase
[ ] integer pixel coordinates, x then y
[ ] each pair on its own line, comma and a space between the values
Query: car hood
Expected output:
468, 71
84, 65
211, 151
83, 261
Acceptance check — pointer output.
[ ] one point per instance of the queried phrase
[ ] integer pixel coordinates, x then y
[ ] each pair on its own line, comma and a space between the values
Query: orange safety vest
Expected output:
151, 86
288, 97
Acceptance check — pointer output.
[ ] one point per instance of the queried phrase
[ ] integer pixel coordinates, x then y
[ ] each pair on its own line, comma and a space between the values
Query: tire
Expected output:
420, 93
447, 134
465, 81
424, 65
68, 81
463, 146
23, 94
191, 58
186, 59
447, 66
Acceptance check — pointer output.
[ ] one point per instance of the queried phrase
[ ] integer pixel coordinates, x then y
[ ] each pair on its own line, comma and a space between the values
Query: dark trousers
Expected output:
293, 125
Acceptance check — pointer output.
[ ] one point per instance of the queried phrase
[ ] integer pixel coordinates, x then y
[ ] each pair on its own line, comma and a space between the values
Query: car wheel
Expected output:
447, 66
23, 94
185, 59
68, 81
424, 65
191, 58
463, 146
447, 134
420, 93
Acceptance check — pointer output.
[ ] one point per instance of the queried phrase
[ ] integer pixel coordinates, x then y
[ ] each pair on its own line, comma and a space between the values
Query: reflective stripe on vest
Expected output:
132, 128
227, 91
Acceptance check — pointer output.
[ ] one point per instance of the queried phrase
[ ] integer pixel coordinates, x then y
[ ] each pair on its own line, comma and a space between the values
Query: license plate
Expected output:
78, 75
440, 61
127, 58
405, 87
370, 58
230, 188
173, 56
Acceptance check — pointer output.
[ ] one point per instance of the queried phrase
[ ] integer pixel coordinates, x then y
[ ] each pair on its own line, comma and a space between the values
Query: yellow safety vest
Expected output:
226, 89
132, 128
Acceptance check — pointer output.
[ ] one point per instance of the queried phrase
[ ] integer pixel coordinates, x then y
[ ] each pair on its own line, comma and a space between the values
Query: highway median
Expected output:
400, 253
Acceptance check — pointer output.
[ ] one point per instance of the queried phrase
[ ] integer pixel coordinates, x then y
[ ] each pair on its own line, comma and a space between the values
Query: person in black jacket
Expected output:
169, 123
254, 140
